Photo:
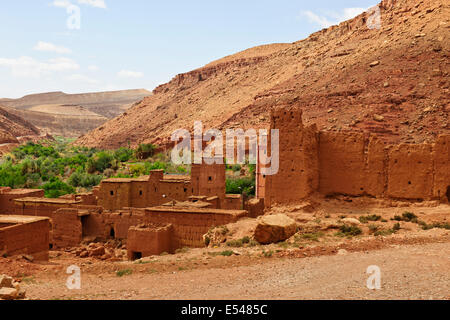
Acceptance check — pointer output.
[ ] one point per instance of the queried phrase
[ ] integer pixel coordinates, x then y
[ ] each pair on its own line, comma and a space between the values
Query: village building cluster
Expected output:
161, 213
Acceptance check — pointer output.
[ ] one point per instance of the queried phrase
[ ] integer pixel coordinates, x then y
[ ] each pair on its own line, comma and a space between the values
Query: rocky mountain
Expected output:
13, 127
72, 115
391, 80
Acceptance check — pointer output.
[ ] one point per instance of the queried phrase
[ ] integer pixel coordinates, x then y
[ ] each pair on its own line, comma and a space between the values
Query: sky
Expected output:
100, 45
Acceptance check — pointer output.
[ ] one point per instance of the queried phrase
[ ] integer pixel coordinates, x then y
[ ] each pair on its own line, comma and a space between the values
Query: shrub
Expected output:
125, 272
123, 154
241, 185
56, 188
350, 230
85, 180
145, 151
373, 217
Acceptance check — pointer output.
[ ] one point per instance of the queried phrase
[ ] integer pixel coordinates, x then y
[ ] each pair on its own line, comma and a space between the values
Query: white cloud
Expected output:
81, 78
320, 20
50, 47
130, 74
32, 68
334, 17
61, 3
93, 3
93, 68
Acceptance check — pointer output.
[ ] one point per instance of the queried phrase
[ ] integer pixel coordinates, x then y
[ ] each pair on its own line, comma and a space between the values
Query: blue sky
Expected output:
142, 43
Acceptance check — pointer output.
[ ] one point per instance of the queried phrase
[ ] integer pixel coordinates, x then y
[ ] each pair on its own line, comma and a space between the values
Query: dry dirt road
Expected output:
407, 272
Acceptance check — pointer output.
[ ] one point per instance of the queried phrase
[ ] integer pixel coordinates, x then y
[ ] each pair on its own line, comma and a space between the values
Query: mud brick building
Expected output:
353, 164
24, 235
8, 195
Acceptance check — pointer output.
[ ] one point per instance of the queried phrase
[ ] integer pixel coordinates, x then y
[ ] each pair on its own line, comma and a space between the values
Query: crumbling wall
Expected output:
8, 195
255, 207
351, 163
144, 241
410, 172
298, 173
208, 180
441, 155
232, 202
26, 238
67, 228
191, 224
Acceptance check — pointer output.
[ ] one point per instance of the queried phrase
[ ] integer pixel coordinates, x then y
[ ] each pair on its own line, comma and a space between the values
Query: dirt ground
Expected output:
419, 271
319, 262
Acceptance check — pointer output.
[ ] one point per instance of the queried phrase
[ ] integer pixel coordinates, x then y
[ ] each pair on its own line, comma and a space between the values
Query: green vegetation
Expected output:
366, 219
388, 232
312, 236
238, 243
125, 272
241, 185
438, 225
348, 231
407, 217
61, 168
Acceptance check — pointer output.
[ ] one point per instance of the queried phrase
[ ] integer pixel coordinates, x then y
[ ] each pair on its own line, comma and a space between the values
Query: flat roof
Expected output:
20, 219
197, 210
187, 204
47, 200
22, 191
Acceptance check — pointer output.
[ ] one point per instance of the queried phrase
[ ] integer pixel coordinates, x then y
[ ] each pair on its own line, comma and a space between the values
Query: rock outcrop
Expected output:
10, 289
274, 228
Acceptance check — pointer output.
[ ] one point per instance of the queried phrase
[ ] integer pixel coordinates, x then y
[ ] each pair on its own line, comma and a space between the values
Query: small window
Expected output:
111, 192
185, 190
209, 178
141, 193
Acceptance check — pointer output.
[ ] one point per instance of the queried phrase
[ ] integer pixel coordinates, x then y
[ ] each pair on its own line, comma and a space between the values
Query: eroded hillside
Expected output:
392, 81
72, 115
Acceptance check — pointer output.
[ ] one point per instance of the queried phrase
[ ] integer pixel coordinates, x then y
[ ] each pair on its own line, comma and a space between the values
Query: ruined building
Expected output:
353, 164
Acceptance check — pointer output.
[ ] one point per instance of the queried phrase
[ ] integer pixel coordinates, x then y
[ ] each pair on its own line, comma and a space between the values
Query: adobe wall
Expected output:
410, 172
255, 207
441, 156
352, 163
232, 202
41, 207
7, 197
145, 241
115, 194
208, 180
67, 228
30, 237
297, 177
190, 225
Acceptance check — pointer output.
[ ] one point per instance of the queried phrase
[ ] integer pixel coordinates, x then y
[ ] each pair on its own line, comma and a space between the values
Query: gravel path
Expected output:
407, 272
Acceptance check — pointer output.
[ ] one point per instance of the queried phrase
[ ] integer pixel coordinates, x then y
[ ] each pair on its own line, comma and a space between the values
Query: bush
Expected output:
125, 272
56, 188
85, 180
241, 185
350, 230
123, 154
145, 151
